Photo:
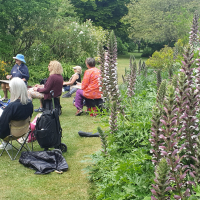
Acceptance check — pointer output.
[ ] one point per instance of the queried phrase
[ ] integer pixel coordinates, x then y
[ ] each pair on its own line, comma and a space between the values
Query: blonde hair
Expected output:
55, 67
18, 90
78, 69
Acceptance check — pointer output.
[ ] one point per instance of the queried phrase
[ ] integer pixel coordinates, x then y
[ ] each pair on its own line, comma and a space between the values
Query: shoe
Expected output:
79, 112
4, 99
8, 147
39, 110
67, 95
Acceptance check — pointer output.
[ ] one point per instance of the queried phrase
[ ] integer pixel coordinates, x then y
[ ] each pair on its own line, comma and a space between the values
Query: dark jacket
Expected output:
14, 111
20, 71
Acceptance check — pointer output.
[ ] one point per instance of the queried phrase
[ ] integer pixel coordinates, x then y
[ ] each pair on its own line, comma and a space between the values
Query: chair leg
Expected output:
23, 145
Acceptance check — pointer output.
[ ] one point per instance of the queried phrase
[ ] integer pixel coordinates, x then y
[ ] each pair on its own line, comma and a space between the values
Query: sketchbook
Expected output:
5, 81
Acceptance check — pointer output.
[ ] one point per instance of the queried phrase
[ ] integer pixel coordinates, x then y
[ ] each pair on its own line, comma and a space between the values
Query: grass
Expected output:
18, 182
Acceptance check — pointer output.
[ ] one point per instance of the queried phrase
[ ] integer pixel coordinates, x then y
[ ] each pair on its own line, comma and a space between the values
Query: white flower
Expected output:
81, 32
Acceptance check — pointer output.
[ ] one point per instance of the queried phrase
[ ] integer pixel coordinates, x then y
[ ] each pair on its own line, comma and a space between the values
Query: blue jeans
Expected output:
67, 88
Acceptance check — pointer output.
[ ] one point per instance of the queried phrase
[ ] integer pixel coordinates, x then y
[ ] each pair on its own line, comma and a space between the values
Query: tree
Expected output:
22, 22
105, 13
160, 21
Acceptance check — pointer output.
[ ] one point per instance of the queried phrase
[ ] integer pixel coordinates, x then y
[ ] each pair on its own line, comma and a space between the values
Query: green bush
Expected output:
127, 172
132, 46
69, 43
161, 59
122, 48
39, 72
147, 52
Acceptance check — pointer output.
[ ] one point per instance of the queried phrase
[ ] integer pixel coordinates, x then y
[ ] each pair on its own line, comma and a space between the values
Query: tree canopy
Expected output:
105, 13
21, 22
160, 21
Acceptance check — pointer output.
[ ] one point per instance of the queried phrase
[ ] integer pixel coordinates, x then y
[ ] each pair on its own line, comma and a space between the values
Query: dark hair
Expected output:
90, 62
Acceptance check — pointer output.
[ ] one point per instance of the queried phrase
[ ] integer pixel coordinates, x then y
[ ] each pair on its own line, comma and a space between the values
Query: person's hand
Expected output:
65, 83
9, 76
36, 85
35, 88
23, 79
78, 83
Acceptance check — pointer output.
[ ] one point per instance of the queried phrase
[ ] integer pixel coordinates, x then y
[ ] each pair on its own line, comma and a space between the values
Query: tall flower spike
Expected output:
161, 92
194, 38
196, 168
181, 96
111, 69
169, 148
162, 183
175, 80
104, 142
132, 79
188, 117
139, 66
113, 118
170, 72
111, 77
157, 113
155, 133
102, 81
159, 78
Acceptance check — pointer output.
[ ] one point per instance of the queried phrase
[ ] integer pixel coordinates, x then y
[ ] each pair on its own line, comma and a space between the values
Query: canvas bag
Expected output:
32, 127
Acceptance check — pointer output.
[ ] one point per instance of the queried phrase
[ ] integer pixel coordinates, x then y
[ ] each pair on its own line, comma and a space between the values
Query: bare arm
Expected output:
75, 77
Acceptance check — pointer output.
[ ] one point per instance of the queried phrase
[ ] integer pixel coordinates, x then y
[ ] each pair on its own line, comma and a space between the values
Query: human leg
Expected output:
73, 90
5, 144
5, 88
69, 94
36, 95
79, 101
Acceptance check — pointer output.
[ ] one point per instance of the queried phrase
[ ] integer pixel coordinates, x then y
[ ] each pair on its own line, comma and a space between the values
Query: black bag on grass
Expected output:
48, 131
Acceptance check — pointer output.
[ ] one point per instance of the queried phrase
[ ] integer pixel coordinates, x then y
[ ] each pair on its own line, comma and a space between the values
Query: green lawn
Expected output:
18, 182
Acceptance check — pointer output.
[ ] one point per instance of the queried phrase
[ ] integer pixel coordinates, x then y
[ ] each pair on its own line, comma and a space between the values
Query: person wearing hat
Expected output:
19, 70
68, 86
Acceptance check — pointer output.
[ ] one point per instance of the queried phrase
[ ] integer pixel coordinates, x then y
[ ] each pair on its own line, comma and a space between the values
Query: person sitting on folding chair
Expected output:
19, 108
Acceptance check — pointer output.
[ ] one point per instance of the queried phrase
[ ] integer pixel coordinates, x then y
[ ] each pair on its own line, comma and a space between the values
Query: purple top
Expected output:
55, 83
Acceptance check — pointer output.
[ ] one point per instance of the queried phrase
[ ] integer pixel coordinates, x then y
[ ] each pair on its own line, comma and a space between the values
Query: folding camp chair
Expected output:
18, 129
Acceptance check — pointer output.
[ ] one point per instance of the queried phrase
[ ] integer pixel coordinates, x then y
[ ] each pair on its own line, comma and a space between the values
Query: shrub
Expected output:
147, 52
122, 48
3, 70
40, 72
161, 59
70, 43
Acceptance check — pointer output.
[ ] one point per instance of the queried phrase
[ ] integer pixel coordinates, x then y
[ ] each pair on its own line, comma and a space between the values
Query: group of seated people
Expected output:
20, 106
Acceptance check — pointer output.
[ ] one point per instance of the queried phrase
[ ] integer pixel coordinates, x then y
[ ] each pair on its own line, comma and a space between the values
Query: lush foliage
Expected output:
127, 171
99, 11
72, 43
47, 30
37, 73
3, 70
161, 59
163, 21
21, 23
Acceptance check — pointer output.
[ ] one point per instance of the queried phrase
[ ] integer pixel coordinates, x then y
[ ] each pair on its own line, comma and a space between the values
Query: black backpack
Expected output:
48, 131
